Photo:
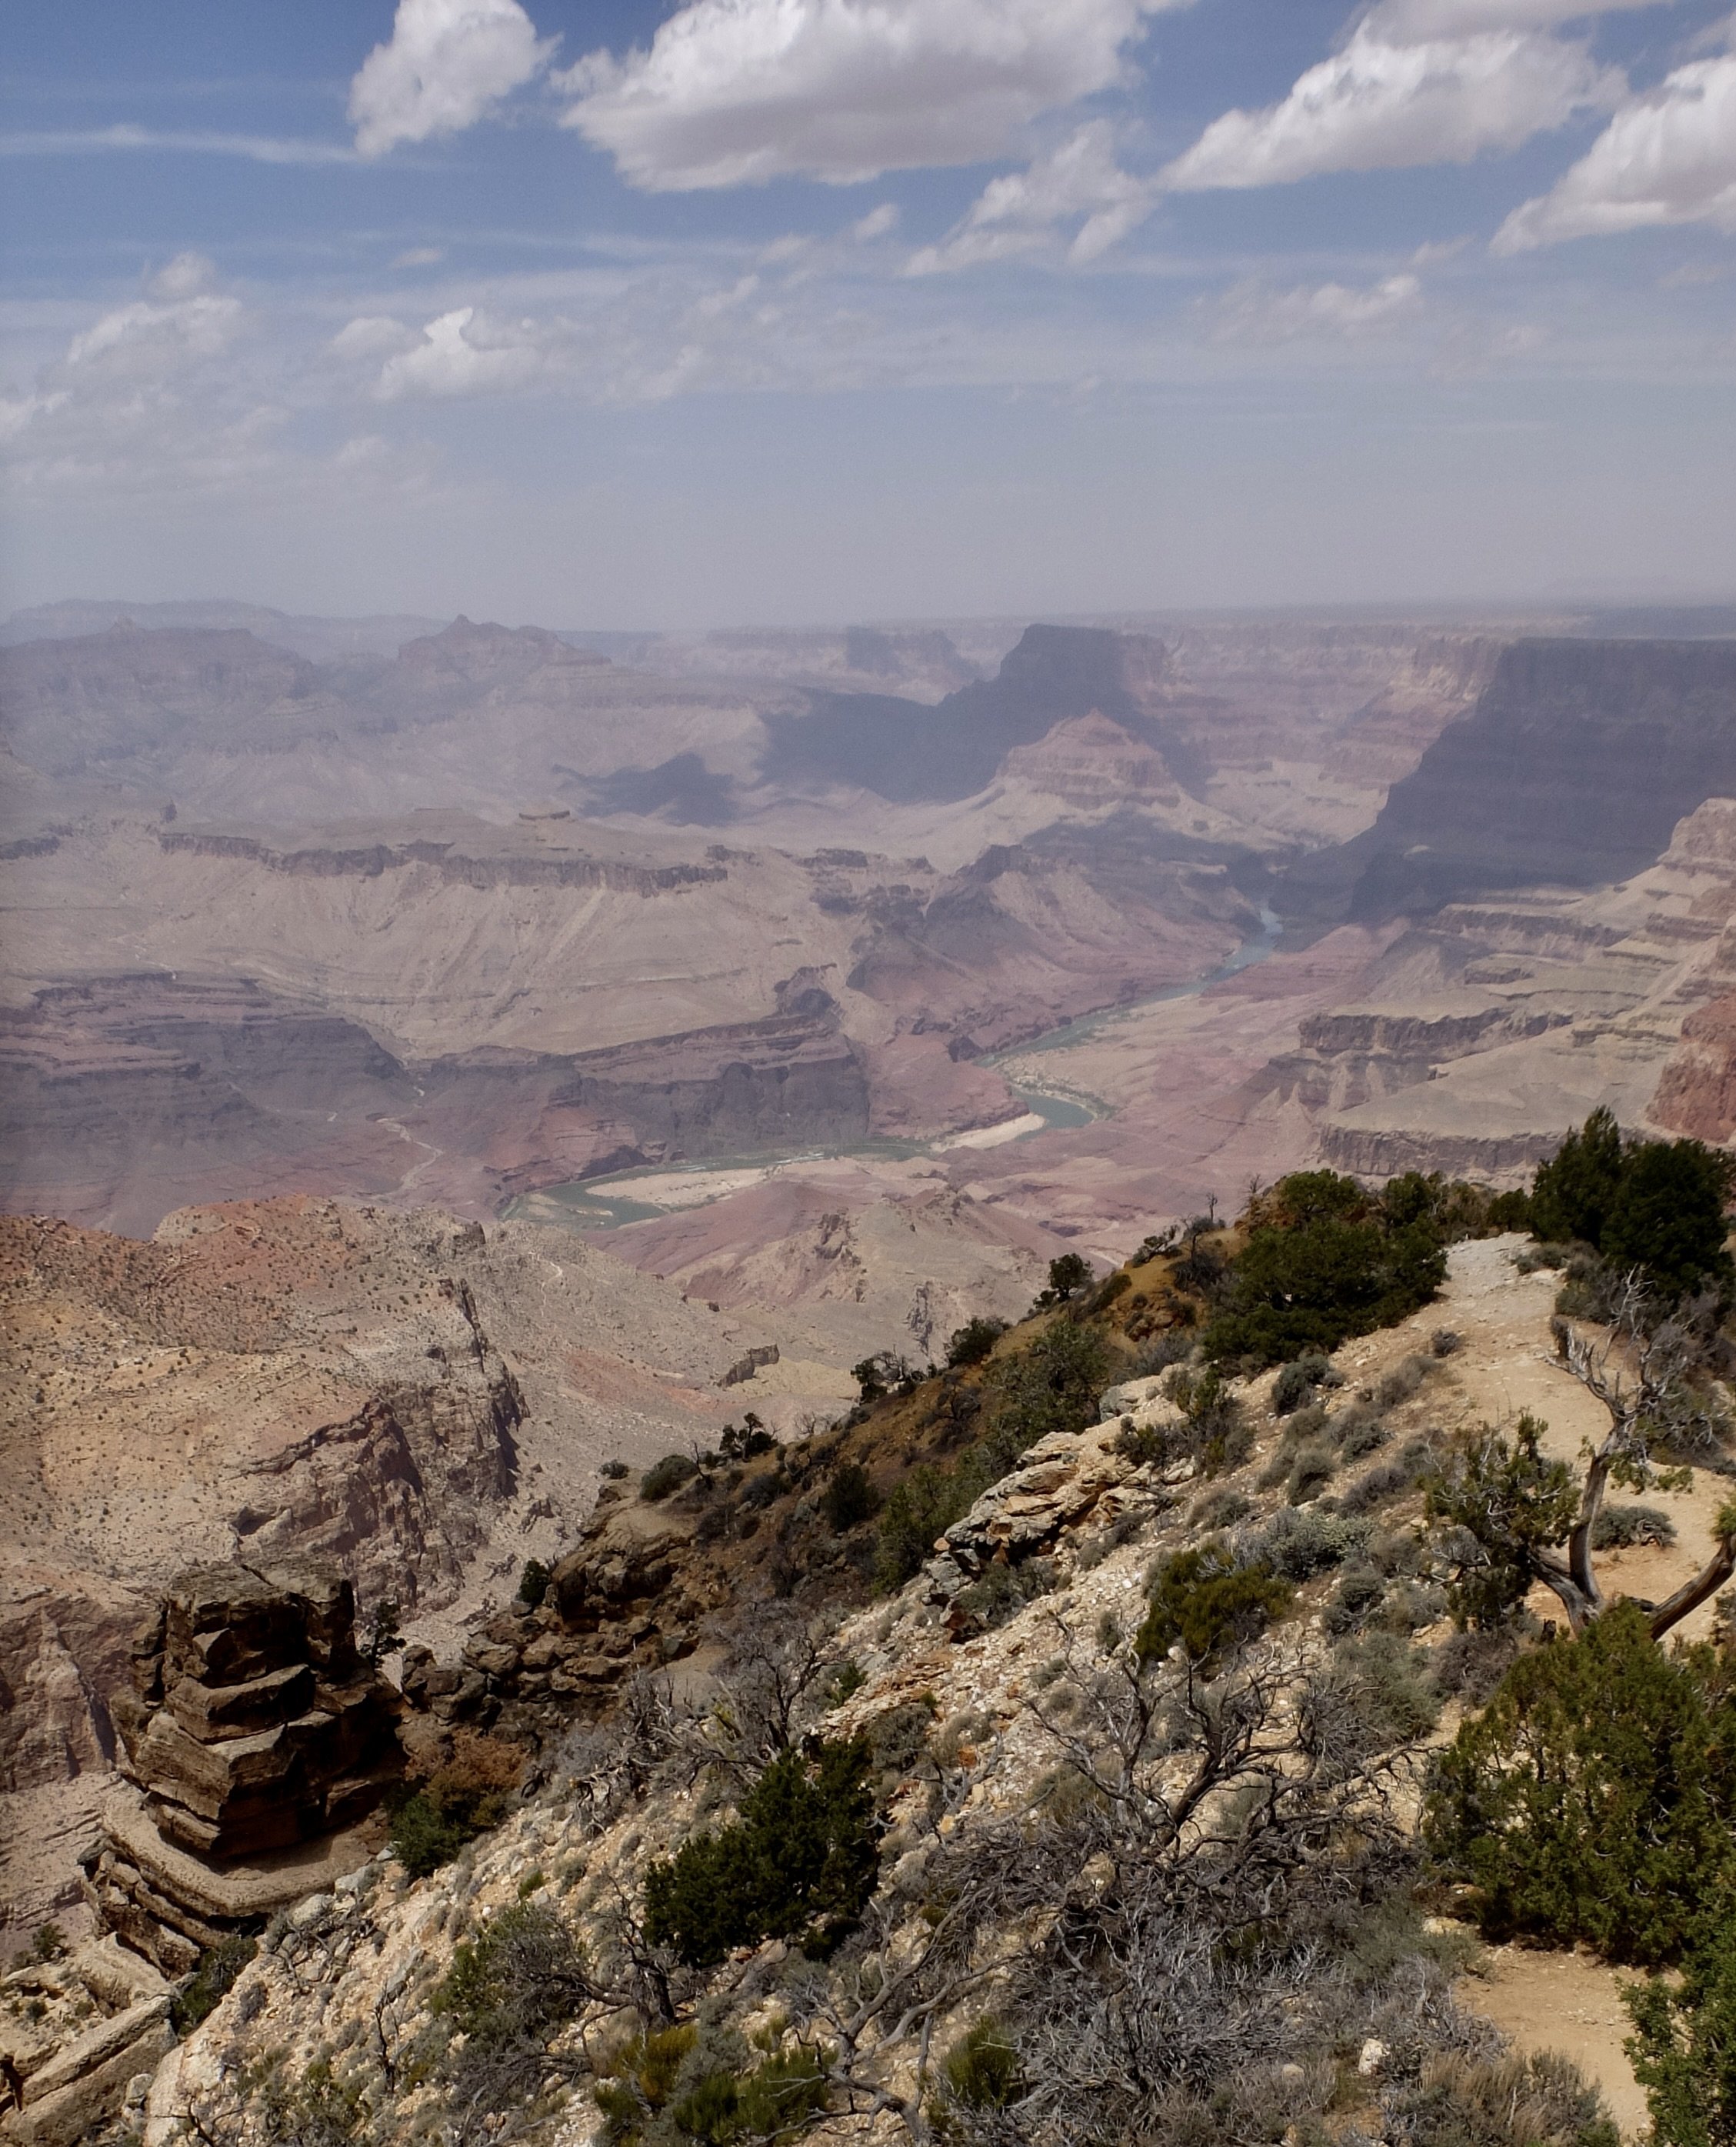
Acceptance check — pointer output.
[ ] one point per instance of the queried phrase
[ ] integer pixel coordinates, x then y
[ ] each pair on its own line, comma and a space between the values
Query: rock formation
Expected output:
1578, 759
254, 1738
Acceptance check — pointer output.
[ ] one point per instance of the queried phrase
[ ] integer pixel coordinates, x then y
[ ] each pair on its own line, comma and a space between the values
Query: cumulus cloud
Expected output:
1335, 313
463, 354
1378, 103
1667, 157
732, 91
447, 64
1020, 211
149, 386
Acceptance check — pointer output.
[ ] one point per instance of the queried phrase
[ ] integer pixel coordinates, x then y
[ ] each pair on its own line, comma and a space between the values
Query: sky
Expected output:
602, 314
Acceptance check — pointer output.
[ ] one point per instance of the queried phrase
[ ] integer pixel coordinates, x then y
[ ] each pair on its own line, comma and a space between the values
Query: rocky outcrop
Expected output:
477, 864
80, 2037
1696, 1091
254, 1731
1090, 761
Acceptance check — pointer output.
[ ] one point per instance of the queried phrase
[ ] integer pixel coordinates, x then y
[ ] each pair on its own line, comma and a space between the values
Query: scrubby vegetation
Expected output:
1594, 1800
432, 1820
1167, 1883
1656, 1206
799, 1861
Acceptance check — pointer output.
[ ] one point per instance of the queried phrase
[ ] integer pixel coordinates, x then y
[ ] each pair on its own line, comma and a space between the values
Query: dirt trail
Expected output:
1510, 1365
1565, 2002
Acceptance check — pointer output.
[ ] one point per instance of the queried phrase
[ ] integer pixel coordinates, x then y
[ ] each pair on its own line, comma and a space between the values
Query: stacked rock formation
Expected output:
255, 1737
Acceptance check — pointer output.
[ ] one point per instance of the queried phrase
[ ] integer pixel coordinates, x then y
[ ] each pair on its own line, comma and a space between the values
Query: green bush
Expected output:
975, 1341
1511, 1501
1334, 1265
211, 1982
777, 2098
1667, 1217
849, 1498
1683, 2045
918, 1511
522, 1975
1655, 1205
533, 1584
470, 1794
800, 1858
981, 2070
669, 1474
1202, 1599
1572, 1194
1593, 1800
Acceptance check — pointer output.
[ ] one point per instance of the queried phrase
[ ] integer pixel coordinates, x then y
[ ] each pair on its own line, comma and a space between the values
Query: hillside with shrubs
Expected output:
1131, 1729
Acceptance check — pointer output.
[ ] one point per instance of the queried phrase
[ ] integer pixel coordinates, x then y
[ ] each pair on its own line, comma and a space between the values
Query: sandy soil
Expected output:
1568, 2003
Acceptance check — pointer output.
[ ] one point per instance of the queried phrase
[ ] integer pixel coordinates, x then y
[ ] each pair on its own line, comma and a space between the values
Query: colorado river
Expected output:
642, 1194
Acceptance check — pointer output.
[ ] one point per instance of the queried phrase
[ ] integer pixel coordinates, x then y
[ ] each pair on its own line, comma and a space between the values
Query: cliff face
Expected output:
1578, 761
905, 750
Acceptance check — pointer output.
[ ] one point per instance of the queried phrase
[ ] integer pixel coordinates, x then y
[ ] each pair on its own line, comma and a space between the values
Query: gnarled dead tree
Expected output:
1641, 1369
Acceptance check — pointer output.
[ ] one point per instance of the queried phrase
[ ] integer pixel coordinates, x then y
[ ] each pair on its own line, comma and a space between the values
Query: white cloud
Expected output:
1018, 212
732, 91
1334, 312
1413, 22
152, 388
1667, 157
447, 65
262, 149
370, 335
463, 354
1378, 104
877, 223
419, 257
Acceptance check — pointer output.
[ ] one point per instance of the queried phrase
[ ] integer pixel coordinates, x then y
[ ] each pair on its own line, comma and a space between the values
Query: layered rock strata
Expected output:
254, 1738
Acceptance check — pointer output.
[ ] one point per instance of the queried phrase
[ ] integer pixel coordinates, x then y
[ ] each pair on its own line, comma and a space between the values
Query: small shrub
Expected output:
801, 1858
1355, 1599
1445, 1341
1219, 1509
1298, 1546
1310, 1472
1472, 1663
211, 1983
1390, 1480
1460, 2101
1204, 1599
47, 1942
1362, 1430
981, 2070
1004, 1591
469, 1795
614, 1470
534, 1582
1390, 1687
776, 2100
849, 1500
669, 1474
1300, 1383
1617, 1527
1405, 1379
975, 1341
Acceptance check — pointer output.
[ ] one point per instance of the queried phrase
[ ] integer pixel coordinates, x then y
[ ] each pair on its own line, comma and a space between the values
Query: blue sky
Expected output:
781, 310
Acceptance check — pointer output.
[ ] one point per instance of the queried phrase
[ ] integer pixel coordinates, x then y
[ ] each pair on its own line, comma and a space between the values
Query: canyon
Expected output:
438, 1062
